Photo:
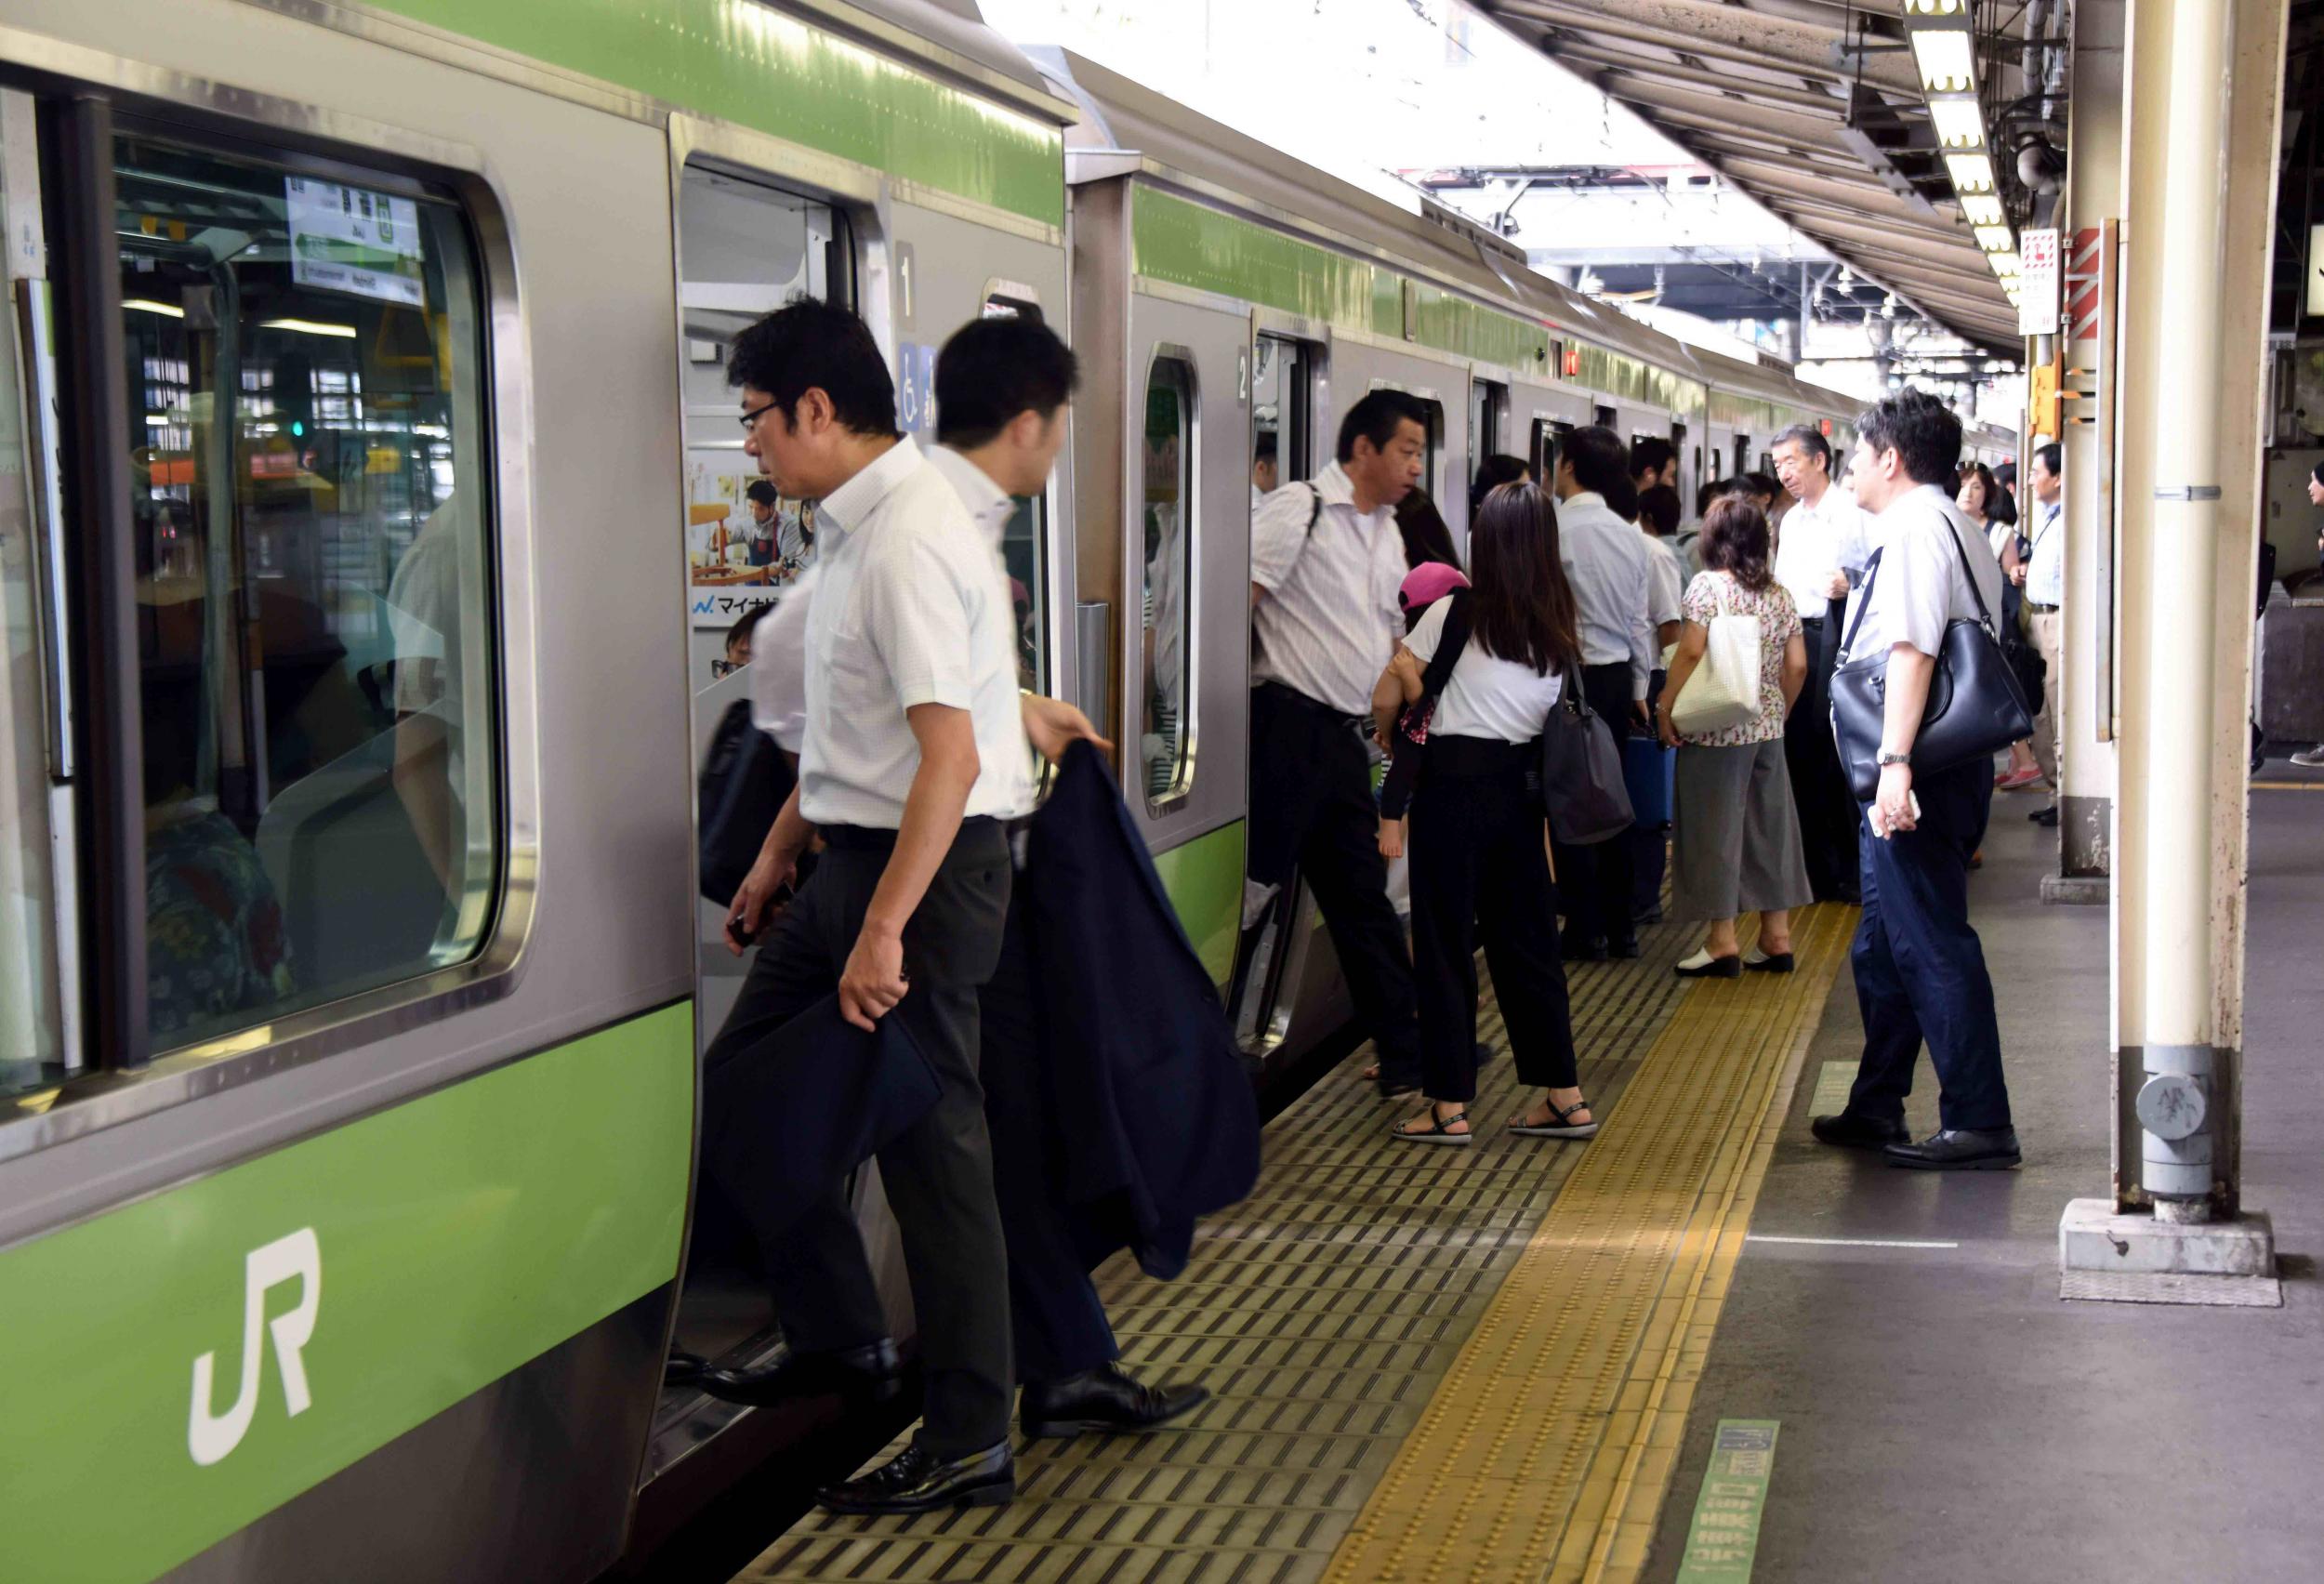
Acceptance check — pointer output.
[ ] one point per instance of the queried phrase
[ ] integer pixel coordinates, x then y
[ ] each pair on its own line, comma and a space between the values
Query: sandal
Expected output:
1437, 1131
1558, 1126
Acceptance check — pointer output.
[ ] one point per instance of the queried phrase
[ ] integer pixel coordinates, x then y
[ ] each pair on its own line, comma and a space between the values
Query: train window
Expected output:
745, 249
1281, 410
1549, 445
1025, 550
1432, 469
310, 483
1607, 417
32, 1043
1742, 454
1488, 402
1166, 736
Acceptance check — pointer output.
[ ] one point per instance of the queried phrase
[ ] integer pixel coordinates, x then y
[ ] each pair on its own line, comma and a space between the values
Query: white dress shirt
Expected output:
1605, 562
1485, 696
1329, 623
1832, 536
778, 666
2045, 572
911, 607
1666, 584
1920, 586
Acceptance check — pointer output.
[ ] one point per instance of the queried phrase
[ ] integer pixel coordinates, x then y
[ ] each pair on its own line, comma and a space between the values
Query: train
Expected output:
368, 515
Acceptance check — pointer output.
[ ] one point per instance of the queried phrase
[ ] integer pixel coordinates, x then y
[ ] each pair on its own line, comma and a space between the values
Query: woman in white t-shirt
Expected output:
1477, 859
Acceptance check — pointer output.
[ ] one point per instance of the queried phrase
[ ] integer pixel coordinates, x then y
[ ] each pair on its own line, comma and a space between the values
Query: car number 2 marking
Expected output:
211, 1436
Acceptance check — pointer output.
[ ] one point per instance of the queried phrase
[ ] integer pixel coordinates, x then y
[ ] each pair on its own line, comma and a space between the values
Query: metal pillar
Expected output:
2198, 190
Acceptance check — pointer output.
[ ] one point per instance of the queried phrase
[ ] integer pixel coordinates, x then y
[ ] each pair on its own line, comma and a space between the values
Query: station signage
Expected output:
2037, 272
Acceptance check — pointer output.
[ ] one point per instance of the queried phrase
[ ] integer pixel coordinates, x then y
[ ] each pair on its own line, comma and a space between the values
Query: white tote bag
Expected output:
1723, 690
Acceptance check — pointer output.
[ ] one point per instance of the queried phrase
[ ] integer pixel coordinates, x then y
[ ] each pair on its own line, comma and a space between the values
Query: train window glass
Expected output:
1282, 440
1167, 628
745, 249
1488, 403
1742, 451
1024, 551
310, 487
1433, 469
1607, 417
1549, 445
32, 1046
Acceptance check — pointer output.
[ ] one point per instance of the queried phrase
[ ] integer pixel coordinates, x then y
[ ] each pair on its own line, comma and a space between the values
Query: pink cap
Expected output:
1427, 583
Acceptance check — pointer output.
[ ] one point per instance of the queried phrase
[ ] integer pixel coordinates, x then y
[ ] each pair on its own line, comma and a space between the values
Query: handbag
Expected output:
1581, 771
1974, 707
743, 787
1721, 692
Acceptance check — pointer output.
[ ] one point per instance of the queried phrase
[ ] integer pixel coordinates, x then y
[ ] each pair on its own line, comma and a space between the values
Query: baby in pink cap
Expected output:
1423, 586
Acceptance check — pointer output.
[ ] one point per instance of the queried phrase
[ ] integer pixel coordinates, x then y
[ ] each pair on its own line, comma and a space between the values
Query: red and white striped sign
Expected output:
2081, 287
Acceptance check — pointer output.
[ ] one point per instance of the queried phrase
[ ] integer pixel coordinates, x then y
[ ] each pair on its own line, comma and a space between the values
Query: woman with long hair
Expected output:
1427, 537
1989, 507
1734, 842
1477, 859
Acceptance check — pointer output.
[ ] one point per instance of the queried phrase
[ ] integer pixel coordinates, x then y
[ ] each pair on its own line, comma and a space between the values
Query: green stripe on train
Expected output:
743, 61
399, 1264
1204, 878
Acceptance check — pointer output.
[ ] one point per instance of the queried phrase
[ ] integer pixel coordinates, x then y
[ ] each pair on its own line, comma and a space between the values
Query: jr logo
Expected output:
211, 1436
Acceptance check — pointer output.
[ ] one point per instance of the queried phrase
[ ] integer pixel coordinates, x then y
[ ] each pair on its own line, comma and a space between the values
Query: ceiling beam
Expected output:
1598, 64
1703, 26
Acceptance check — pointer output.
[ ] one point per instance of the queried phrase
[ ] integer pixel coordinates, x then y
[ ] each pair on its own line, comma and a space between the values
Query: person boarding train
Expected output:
1327, 560
1919, 970
1821, 550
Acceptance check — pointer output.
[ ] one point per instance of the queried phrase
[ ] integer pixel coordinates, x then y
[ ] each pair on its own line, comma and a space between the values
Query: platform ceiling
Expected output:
1777, 96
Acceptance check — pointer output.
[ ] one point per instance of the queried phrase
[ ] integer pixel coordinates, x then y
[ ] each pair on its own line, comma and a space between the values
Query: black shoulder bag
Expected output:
1974, 708
1581, 771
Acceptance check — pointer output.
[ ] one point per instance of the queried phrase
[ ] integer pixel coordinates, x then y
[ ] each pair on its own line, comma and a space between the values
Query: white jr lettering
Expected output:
211, 1436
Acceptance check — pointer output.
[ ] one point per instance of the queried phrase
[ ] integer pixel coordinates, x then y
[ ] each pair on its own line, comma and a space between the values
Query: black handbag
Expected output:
1974, 707
1581, 771
742, 785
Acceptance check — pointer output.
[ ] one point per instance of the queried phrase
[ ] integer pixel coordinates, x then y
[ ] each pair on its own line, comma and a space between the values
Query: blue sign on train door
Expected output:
916, 390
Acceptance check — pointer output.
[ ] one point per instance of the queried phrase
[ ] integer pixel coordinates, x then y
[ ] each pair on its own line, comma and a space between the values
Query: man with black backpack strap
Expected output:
1326, 560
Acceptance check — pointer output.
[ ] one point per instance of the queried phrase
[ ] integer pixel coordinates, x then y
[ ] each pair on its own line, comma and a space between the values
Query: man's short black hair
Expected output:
762, 492
811, 344
1263, 448
1921, 430
1764, 483
1650, 455
2051, 458
1621, 499
1598, 457
1658, 510
1376, 417
1810, 441
993, 369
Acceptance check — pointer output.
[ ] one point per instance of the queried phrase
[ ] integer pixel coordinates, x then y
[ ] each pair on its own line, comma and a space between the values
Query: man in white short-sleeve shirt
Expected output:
1824, 543
1919, 970
912, 755
1326, 562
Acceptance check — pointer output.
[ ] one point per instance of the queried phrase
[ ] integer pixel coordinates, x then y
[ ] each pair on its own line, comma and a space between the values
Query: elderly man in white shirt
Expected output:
1822, 547
1605, 562
2042, 575
1326, 563
914, 753
1920, 972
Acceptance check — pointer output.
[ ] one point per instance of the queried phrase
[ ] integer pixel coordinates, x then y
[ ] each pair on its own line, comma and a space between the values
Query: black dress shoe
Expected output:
1107, 1400
683, 1369
1582, 948
1959, 1149
1622, 948
872, 1373
1854, 1132
2046, 818
914, 1481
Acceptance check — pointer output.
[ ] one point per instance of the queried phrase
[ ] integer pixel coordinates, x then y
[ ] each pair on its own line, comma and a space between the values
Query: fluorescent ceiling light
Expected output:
1971, 173
1948, 64
1934, 7
147, 305
1960, 122
2004, 264
1996, 239
1983, 209
310, 327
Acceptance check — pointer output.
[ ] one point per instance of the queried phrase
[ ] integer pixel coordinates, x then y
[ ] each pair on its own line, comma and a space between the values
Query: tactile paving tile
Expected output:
1322, 1313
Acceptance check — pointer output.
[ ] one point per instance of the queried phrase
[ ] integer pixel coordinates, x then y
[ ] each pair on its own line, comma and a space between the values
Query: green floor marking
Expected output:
1832, 1084
1725, 1535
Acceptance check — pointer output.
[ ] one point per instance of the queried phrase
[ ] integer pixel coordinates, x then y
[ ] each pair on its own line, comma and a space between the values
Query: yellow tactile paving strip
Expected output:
1335, 1312
1547, 1449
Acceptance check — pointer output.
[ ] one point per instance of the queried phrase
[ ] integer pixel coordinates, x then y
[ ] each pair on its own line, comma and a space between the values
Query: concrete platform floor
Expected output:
1945, 1415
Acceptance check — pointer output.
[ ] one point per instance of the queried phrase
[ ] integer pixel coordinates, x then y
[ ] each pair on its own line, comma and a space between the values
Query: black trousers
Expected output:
1650, 843
1828, 816
1058, 1322
1594, 882
938, 1173
1478, 867
1311, 803
1920, 969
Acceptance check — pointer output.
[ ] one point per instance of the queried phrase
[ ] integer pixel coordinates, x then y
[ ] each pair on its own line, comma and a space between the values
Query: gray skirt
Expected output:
1735, 834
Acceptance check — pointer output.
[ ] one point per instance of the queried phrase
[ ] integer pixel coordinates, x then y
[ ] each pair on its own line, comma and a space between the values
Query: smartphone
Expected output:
784, 894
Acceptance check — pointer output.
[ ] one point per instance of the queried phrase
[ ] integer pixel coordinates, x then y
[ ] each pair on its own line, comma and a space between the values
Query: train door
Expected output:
1282, 412
1742, 455
1548, 447
1685, 483
1489, 419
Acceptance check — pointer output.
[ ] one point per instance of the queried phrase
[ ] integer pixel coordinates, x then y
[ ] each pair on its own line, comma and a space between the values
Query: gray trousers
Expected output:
938, 1173
1735, 836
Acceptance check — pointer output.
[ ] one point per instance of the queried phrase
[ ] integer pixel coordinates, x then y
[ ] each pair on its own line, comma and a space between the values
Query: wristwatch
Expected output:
1887, 758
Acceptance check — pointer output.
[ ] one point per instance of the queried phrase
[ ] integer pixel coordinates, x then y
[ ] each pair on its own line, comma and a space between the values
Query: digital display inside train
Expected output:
346, 239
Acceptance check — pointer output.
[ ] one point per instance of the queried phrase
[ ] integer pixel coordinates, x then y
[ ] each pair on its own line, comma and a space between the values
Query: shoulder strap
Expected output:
1450, 640
1864, 600
1984, 616
1315, 508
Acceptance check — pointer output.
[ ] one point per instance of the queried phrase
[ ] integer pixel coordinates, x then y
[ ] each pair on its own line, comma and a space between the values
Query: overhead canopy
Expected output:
1775, 96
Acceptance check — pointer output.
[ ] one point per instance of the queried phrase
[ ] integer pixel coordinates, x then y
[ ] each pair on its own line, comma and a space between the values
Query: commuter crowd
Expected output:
1577, 692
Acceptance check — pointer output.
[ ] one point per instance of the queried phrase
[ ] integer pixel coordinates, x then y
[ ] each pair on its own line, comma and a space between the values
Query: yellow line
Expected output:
1550, 1446
2286, 785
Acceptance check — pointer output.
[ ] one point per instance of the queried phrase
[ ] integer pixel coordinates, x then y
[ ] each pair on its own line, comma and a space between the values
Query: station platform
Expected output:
1519, 1361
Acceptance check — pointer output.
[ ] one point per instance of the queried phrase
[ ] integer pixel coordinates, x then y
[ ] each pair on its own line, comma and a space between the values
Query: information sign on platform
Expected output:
2037, 271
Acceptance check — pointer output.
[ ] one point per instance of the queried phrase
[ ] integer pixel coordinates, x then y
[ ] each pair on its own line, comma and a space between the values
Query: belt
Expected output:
1815, 622
2041, 610
880, 839
1294, 699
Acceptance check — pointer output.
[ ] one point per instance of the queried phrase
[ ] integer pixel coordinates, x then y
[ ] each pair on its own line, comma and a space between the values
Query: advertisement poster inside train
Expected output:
745, 543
